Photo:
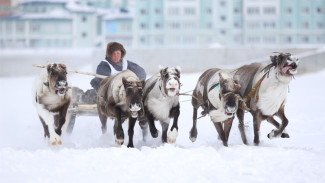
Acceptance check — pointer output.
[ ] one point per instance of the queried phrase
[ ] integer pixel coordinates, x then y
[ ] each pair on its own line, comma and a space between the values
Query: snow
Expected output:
88, 156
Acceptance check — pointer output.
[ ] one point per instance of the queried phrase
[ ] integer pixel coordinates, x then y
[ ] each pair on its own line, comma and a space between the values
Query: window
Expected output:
173, 25
143, 11
157, 25
253, 10
223, 32
237, 10
84, 35
222, 3
288, 11
319, 10
208, 11
269, 25
20, 27
126, 27
34, 27
305, 10
269, 10
269, 39
288, 39
157, 11
84, 19
143, 26
143, 40
253, 25
223, 18
237, 25
189, 11
287, 24
320, 24
253, 39
209, 25
189, 25
173, 11
305, 39
305, 25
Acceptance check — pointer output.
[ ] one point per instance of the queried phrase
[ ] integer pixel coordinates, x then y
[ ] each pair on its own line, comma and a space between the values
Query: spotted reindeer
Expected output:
216, 93
161, 102
52, 97
120, 97
265, 87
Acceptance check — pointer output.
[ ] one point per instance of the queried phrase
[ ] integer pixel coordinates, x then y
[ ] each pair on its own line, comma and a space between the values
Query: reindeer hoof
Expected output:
154, 134
130, 146
193, 134
285, 135
172, 135
271, 135
119, 142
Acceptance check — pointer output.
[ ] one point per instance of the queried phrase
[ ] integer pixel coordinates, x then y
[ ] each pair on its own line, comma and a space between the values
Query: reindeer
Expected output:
264, 86
161, 102
52, 97
216, 92
120, 97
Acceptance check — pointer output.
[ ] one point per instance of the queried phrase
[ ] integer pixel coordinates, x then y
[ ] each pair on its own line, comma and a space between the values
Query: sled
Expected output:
82, 104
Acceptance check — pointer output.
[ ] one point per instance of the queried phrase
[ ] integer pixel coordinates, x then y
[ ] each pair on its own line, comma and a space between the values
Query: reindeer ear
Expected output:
48, 67
236, 82
160, 67
142, 83
163, 71
220, 77
125, 82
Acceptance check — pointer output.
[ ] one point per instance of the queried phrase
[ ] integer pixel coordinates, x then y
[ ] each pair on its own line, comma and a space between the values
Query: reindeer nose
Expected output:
62, 83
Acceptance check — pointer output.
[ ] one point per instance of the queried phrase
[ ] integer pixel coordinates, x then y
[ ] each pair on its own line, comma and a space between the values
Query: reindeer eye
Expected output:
130, 106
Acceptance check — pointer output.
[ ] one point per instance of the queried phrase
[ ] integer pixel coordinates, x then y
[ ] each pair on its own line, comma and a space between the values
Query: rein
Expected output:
256, 89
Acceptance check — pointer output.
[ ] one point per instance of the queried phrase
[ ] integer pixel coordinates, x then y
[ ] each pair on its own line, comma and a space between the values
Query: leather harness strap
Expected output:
256, 88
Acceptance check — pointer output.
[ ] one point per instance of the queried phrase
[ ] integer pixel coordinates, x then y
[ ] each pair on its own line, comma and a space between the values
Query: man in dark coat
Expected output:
114, 63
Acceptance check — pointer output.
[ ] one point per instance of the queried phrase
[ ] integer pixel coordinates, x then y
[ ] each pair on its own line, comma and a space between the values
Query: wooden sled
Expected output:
82, 104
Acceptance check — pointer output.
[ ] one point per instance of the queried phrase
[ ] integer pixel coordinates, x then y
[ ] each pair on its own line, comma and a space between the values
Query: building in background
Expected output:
161, 23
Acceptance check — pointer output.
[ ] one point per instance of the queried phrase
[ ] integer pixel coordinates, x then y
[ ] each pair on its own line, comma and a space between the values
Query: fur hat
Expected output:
113, 46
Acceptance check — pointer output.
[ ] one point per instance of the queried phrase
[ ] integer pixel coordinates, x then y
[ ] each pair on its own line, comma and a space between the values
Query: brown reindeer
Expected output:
120, 97
52, 98
217, 93
264, 86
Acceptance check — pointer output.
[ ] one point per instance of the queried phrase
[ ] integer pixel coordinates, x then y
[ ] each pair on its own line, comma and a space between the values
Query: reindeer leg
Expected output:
257, 119
152, 127
284, 124
144, 127
193, 132
118, 130
241, 126
46, 128
172, 135
131, 131
277, 125
227, 127
221, 133
103, 120
61, 119
164, 126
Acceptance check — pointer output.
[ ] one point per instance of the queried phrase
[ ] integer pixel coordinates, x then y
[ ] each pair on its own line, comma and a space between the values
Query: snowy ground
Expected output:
88, 156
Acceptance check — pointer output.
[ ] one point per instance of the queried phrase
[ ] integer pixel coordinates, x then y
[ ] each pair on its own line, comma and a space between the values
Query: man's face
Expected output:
116, 56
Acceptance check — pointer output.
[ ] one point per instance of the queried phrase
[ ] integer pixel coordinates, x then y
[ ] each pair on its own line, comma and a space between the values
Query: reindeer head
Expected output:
170, 80
229, 94
133, 90
57, 78
285, 63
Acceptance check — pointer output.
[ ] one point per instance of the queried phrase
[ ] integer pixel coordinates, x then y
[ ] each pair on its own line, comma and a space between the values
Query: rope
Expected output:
75, 71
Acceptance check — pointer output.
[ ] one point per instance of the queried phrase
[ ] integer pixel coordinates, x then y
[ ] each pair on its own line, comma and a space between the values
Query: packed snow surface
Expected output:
88, 156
